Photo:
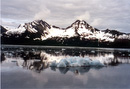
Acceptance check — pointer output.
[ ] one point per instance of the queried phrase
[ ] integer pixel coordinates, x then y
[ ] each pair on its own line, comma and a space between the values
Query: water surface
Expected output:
27, 67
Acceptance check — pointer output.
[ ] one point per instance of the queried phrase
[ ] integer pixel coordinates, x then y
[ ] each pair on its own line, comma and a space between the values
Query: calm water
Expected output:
27, 67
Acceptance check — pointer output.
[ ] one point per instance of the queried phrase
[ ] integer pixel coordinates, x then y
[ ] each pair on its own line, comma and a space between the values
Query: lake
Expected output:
29, 67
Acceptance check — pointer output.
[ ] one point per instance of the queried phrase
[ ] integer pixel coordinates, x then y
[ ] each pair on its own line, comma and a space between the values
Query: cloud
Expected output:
102, 14
9, 23
97, 22
43, 13
84, 16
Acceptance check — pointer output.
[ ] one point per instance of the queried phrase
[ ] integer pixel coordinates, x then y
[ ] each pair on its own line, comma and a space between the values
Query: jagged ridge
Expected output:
79, 31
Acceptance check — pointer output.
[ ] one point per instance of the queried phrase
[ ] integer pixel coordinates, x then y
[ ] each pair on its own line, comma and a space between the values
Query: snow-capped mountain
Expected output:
80, 30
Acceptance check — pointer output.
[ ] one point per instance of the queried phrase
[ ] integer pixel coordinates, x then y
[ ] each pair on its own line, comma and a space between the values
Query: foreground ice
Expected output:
76, 62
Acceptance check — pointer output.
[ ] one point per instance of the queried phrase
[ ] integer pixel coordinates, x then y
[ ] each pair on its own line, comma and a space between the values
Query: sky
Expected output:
101, 14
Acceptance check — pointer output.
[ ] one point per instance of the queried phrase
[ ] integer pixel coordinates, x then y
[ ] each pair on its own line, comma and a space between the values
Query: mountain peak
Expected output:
79, 32
39, 21
80, 24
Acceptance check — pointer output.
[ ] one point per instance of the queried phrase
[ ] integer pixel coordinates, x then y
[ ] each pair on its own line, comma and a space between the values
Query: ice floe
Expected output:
76, 62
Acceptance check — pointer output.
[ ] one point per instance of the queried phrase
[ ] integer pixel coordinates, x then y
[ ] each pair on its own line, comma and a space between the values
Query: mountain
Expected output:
79, 33
3, 30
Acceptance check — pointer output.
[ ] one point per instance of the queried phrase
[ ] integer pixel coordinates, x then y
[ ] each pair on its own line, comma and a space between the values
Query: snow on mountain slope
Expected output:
80, 28
58, 32
124, 36
18, 30
88, 32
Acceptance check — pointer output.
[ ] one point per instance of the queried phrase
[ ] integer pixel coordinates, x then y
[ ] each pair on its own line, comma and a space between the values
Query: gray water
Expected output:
24, 67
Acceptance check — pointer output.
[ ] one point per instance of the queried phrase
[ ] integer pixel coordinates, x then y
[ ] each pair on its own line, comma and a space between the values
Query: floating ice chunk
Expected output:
76, 62
53, 64
92, 51
61, 64
84, 62
63, 49
96, 63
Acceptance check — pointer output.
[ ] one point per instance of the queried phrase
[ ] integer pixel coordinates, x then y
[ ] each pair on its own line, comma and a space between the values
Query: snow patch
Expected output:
19, 30
57, 32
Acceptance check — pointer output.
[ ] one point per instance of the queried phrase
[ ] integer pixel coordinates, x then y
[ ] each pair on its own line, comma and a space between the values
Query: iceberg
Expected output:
76, 62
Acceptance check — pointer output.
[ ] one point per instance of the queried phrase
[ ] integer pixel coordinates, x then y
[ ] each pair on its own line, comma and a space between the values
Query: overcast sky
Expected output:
101, 14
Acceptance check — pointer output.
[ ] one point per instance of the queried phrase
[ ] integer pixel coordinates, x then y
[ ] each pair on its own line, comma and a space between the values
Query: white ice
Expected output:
76, 62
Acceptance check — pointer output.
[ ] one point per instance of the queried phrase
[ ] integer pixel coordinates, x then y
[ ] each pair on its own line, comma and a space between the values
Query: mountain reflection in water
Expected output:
38, 59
